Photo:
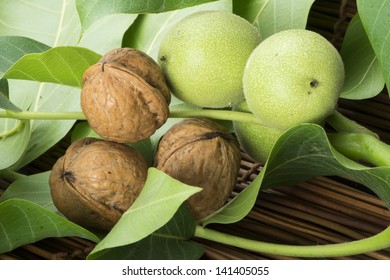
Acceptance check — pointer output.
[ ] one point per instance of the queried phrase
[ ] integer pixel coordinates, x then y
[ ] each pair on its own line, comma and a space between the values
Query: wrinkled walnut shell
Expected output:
124, 96
96, 181
200, 152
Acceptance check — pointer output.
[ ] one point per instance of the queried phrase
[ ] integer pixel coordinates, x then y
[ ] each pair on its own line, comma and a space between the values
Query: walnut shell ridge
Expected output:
200, 152
96, 181
124, 96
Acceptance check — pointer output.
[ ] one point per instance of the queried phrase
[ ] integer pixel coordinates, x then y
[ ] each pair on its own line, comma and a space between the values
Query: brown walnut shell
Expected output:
124, 96
96, 181
200, 152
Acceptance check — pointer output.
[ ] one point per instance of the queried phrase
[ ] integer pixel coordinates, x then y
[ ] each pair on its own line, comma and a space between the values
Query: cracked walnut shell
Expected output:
200, 152
124, 96
96, 181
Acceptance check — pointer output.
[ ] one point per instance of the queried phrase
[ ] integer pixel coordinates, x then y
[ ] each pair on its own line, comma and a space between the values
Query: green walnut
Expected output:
256, 140
203, 58
294, 76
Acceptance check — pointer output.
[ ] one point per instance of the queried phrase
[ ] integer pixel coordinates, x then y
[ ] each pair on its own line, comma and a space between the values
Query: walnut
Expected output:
202, 153
96, 181
124, 96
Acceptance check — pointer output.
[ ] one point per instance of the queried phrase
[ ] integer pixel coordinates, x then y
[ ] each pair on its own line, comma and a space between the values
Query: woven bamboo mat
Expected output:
323, 210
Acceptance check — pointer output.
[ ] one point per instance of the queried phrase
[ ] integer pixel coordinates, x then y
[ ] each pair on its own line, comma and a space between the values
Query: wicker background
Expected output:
323, 210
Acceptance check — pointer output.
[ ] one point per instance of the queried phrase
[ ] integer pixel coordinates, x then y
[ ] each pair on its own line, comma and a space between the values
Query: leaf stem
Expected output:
373, 243
342, 124
361, 147
27, 115
336, 120
352, 139
214, 114
182, 113
13, 130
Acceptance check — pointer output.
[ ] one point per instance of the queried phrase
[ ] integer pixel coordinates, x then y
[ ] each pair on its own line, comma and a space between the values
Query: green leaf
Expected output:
239, 207
62, 65
14, 47
15, 134
363, 74
45, 133
106, 33
34, 188
272, 16
155, 206
5, 103
83, 130
52, 23
15, 138
23, 222
375, 17
170, 242
91, 11
4, 90
149, 30
301, 153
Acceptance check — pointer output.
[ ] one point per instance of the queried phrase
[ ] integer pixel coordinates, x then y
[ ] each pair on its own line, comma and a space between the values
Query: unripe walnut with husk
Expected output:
203, 153
124, 96
96, 181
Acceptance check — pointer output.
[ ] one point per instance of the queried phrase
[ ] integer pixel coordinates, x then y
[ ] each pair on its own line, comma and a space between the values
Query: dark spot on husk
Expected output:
314, 84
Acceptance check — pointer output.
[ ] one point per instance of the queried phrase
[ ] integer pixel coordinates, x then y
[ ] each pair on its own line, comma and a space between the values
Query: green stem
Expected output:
214, 114
359, 143
27, 115
187, 113
336, 120
15, 129
342, 124
370, 244
361, 147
